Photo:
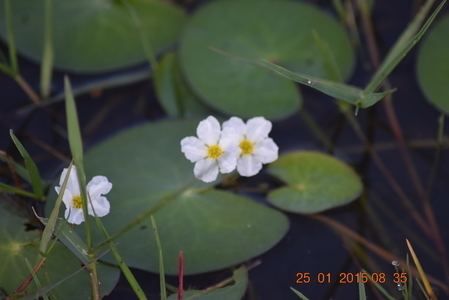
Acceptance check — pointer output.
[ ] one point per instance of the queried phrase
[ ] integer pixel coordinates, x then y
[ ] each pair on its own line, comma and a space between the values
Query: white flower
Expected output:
98, 205
255, 147
212, 152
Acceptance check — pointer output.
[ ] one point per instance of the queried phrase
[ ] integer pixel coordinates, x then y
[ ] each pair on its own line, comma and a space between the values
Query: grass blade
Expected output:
379, 287
421, 272
52, 220
31, 167
76, 144
163, 286
121, 263
347, 93
10, 38
47, 53
409, 38
299, 294
362, 292
12, 189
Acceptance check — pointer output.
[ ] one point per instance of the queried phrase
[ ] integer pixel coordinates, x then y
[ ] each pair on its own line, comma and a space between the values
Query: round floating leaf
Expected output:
19, 246
284, 32
236, 291
315, 182
433, 65
94, 36
214, 229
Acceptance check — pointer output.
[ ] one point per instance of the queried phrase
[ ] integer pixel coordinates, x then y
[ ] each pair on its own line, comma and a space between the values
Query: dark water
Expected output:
309, 246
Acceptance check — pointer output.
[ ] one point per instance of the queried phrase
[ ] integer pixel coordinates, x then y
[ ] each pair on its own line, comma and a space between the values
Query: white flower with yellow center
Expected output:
212, 152
255, 147
98, 205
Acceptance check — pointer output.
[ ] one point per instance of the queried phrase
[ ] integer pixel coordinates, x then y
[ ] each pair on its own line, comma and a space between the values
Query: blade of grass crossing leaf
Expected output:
35, 278
10, 38
299, 294
121, 263
161, 260
362, 292
76, 146
47, 53
31, 167
409, 38
11, 189
421, 272
52, 220
348, 93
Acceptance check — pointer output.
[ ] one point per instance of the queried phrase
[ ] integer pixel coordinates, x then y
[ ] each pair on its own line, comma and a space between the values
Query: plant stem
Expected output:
316, 130
25, 86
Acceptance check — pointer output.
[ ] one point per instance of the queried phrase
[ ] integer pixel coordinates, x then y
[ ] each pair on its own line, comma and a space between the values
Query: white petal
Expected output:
98, 185
193, 148
74, 216
266, 151
206, 170
257, 129
234, 126
228, 161
101, 207
209, 130
72, 183
248, 165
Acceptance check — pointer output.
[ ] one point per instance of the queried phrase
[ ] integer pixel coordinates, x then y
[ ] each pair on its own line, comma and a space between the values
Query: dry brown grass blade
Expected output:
421, 272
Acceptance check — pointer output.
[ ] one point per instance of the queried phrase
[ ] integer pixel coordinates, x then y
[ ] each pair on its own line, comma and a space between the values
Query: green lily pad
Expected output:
19, 246
94, 36
236, 291
284, 32
315, 182
433, 65
214, 229
173, 92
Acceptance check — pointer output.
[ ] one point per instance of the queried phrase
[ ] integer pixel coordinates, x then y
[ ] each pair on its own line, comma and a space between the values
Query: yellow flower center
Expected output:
247, 147
214, 151
76, 202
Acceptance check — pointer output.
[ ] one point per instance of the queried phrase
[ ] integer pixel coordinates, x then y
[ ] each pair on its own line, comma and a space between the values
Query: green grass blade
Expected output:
121, 263
379, 287
76, 145
409, 38
362, 292
31, 167
163, 286
52, 220
10, 38
12, 189
299, 294
47, 53
347, 93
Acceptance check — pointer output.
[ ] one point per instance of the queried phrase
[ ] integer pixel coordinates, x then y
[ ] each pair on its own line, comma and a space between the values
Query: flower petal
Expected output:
206, 170
266, 151
209, 130
235, 126
72, 183
193, 148
101, 207
258, 129
228, 161
97, 186
74, 216
248, 165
